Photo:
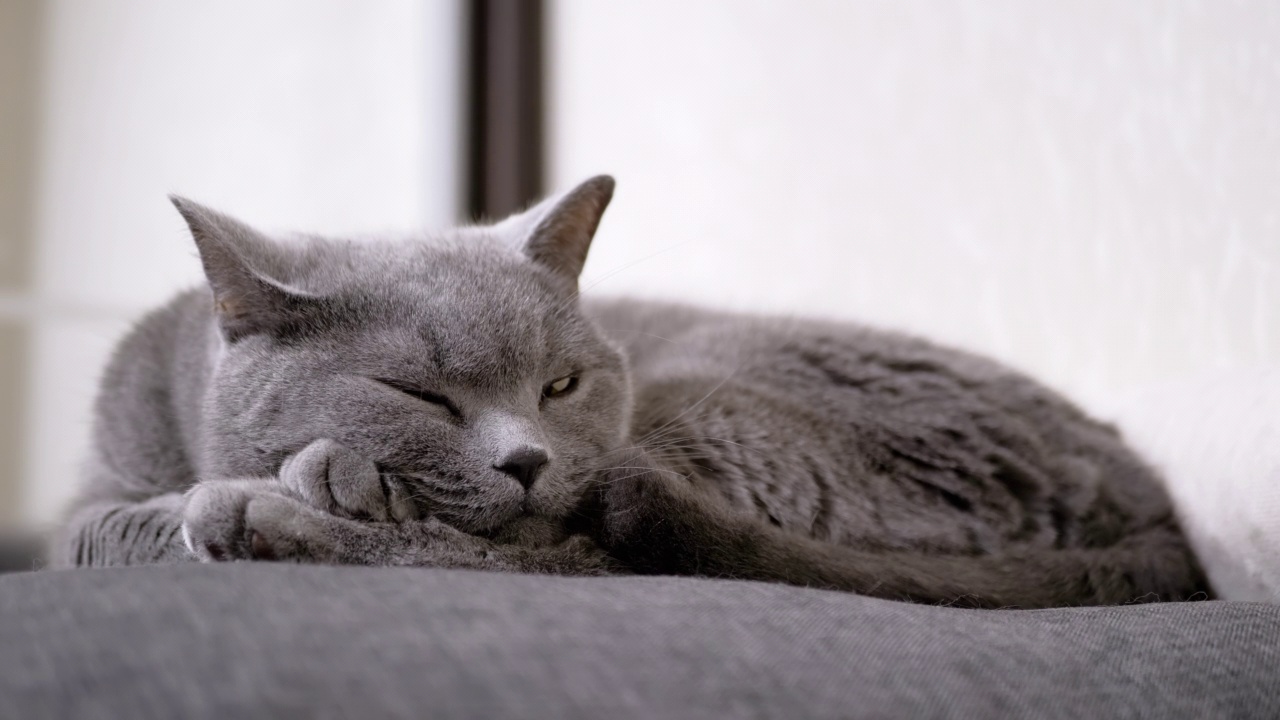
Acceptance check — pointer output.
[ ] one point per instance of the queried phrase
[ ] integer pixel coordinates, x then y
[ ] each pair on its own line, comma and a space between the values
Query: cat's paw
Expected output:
581, 555
213, 519
651, 518
332, 478
226, 520
280, 528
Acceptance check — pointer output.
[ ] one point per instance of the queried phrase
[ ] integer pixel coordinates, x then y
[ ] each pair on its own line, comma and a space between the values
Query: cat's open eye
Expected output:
562, 386
423, 395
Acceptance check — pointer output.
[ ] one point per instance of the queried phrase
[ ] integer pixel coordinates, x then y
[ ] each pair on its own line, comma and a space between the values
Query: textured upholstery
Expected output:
259, 640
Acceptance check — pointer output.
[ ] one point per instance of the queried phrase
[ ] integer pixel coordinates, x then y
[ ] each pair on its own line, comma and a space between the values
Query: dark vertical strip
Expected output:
505, 67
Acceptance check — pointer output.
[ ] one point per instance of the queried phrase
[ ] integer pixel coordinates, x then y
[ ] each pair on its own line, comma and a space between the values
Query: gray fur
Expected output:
364, 402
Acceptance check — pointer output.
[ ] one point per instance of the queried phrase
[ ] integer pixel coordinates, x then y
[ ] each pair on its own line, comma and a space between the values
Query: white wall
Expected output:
1089, 190
327, 116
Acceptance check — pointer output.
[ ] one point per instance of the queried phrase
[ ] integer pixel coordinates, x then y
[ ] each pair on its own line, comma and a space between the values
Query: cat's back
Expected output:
836, 370
147, 412
861, 435
663, 338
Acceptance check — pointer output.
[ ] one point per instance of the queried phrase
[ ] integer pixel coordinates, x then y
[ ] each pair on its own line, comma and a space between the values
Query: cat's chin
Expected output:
529, 531
496, 515
521, 519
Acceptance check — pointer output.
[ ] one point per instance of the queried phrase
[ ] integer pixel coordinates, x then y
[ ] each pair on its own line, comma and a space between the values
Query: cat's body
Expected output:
872, 439
514, 428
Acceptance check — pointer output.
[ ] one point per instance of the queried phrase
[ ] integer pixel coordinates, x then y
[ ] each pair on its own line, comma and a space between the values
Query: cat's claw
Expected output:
213, 525
260, 520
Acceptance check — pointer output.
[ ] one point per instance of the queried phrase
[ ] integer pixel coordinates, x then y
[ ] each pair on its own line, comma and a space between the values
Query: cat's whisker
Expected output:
576, 295
642, 470
675, 450
705, 397
688, 448
698, 441
683, 419
619, 334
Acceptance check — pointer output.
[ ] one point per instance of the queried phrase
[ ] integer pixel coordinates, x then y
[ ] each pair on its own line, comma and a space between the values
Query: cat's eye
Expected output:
423, 395
560, 387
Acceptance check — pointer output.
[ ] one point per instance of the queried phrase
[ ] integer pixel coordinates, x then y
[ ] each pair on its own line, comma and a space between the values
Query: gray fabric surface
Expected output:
256, 640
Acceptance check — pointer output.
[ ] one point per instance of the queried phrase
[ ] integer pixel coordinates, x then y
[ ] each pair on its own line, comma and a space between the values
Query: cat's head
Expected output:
460, 362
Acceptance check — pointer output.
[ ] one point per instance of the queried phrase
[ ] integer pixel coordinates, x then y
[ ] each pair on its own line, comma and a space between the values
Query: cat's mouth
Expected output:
529, 530
478, 512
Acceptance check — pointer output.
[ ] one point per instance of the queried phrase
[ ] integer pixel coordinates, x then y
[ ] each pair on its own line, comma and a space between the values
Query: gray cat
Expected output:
448, 401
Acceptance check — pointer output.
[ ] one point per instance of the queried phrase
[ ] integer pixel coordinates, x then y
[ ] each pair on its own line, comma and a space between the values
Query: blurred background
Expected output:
1087, 190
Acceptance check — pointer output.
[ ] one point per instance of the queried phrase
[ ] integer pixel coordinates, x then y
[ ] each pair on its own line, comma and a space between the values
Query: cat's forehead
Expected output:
476, 338
467, 311
324, 264
466, 281
459, 269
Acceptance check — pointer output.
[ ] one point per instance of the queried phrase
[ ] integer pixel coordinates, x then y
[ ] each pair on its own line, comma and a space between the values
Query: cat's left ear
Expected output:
560, 229
246, 299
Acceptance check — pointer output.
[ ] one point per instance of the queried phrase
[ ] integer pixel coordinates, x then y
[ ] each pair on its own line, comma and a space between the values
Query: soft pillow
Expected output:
1216, 439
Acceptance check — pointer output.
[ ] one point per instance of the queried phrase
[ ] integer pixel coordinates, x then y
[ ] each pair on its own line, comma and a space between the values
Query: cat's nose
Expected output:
524, 464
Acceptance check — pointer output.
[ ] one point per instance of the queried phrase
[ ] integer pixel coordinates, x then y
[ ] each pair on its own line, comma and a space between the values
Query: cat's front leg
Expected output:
266, 520
330, 506
284, 529
324, 475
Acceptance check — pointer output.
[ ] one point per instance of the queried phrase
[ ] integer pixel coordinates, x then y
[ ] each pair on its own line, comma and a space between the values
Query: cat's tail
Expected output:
1149, 566
1155, 564
657, 525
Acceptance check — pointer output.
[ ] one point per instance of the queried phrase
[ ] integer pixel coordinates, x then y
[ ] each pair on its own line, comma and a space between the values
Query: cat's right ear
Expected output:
246, 301
557, 232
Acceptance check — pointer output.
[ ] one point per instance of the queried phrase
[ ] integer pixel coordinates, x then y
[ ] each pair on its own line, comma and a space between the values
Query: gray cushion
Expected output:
277, 640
